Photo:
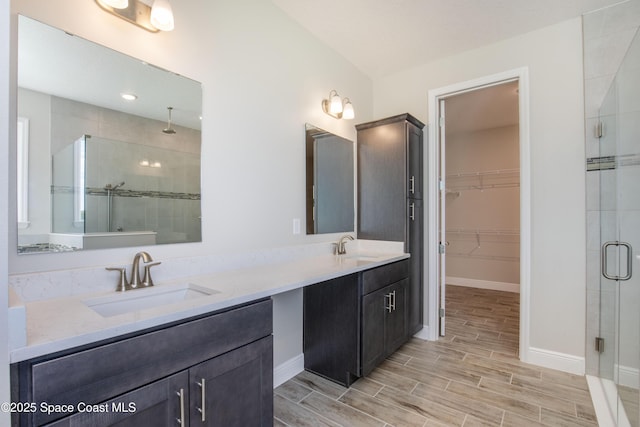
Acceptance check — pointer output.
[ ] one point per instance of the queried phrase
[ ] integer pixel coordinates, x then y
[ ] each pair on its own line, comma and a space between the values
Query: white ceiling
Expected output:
384, 36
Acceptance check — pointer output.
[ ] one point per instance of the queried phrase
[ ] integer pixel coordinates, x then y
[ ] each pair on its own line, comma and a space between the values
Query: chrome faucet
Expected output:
135, 274
136, 282
340, 246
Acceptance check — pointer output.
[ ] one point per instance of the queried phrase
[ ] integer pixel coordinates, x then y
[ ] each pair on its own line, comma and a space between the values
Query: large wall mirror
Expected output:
330, 182
108, 147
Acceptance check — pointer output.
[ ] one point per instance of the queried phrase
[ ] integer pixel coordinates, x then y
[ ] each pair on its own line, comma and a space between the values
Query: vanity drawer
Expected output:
98, 374
379, 277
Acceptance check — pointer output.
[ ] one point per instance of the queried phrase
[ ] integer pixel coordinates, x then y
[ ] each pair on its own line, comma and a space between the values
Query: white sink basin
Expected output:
363, 257
141, 299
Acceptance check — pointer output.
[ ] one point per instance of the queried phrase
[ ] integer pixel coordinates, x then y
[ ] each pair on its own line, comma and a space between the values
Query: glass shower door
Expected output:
620, 239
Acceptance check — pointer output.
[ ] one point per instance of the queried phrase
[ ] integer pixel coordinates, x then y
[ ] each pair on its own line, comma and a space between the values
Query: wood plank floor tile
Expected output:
506, 403
514, 420
488, 413
294, 415
367, 385
338, 412
540, 399
512, 367
558, 419
293, 391
321, 385
427, 408
391, 412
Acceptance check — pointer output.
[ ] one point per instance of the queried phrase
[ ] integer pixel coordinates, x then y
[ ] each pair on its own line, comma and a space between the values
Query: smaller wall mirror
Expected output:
330, 182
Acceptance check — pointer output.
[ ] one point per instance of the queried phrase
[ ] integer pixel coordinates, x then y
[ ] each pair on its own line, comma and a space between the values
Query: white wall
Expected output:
553, 56
5, 131
263, 77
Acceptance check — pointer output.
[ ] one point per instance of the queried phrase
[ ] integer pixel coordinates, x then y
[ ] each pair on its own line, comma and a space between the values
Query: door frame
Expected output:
432, 154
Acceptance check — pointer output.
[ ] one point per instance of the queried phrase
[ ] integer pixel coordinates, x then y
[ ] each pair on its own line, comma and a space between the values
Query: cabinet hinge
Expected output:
600, 345
442, 312
440, 248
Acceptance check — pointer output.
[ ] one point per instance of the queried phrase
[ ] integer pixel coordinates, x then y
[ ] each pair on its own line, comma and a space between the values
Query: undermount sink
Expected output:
362, 257
142, 299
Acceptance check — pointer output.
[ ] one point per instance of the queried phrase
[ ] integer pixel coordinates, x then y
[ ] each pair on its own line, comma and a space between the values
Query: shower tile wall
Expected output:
118, 143
607, 35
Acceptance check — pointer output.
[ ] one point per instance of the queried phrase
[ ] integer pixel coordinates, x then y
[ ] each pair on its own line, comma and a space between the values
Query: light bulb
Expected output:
162, 15
348, 112
336, 104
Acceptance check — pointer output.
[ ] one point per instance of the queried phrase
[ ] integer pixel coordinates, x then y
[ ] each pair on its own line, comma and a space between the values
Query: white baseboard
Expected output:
424, 334
287, 370
483, 284
555, 360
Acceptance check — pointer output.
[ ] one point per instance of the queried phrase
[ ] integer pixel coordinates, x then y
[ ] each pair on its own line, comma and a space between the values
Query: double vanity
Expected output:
199, 350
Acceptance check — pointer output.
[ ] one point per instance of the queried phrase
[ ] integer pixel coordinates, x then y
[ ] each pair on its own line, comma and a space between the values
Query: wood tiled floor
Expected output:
470, 378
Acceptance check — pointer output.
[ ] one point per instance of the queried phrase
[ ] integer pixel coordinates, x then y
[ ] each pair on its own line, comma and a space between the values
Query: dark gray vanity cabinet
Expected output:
211, 370
331, 320
353, 323
157, 404
384, 312
390, 195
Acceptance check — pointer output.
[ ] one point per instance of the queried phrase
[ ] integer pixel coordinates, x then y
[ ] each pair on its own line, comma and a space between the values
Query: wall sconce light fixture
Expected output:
337, 107
154, 18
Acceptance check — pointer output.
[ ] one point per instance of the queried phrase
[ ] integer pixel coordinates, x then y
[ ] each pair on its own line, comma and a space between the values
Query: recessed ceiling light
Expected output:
128, 96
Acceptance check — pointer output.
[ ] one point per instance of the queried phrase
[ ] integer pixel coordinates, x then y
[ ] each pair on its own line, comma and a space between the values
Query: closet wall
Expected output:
483, 208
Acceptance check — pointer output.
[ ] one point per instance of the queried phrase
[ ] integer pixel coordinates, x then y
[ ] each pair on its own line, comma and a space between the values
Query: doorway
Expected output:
479, 226
480, 223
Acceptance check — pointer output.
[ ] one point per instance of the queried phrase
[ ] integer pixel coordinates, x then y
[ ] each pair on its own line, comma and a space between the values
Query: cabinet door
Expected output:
234, 389
374, 310
331, 322
415, 246
395, 324
156, 405
382, 182
414, 152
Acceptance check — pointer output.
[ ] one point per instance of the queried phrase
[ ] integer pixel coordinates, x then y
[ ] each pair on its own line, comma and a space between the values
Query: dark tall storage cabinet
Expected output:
390, 195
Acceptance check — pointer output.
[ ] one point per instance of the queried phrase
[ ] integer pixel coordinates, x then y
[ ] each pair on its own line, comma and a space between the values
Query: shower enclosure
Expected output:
619, 196
105, 189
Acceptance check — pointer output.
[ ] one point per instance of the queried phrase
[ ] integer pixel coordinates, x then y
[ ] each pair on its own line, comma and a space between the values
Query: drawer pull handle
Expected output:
203, 397
412, 182
181, 394
387, 303
413, 211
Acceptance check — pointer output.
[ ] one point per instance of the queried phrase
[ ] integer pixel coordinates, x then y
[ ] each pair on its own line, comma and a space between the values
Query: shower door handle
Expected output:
604, 258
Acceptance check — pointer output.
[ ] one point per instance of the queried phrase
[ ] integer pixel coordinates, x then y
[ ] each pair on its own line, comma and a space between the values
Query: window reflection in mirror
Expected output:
330, 182
103, 171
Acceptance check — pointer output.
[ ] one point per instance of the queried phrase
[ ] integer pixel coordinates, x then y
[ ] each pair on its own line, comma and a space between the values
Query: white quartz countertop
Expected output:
62, 323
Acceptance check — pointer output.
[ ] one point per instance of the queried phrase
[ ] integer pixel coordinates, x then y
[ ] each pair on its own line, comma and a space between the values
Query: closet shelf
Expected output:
485, 232
483, 180
485, 257
485, 173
